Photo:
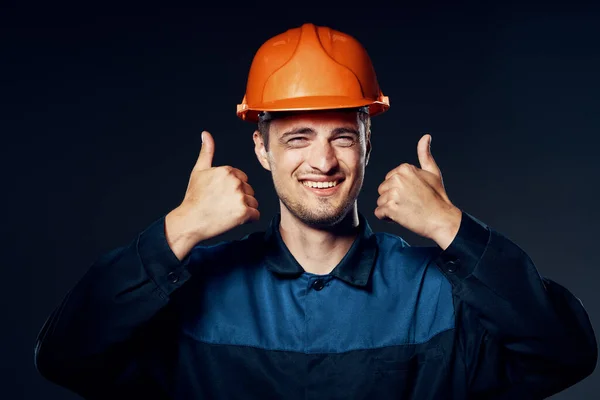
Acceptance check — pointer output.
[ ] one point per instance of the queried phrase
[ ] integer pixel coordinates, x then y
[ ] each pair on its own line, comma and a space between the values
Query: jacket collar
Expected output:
355, 268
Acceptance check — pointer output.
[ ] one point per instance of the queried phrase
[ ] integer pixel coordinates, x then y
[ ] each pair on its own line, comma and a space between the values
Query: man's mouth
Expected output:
320, 185
322, 188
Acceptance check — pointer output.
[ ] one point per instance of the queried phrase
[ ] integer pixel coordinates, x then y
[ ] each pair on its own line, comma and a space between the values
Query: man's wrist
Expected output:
180, 237
447, 228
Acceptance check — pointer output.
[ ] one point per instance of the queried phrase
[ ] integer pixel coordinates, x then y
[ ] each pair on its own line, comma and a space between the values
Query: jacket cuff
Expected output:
159, 261
462, 256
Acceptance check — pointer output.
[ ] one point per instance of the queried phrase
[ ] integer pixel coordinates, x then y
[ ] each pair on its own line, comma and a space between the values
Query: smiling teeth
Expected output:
319, 184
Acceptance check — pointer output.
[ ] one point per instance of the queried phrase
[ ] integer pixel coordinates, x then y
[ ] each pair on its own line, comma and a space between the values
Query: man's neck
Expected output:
318, 250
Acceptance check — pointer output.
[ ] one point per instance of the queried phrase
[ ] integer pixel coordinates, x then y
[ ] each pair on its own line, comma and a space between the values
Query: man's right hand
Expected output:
217, 200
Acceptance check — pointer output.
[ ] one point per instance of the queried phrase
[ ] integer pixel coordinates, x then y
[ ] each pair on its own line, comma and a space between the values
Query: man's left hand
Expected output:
416, 199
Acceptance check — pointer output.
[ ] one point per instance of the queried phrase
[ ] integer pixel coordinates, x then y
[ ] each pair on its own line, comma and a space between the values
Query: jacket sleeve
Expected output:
522, 336
86, 344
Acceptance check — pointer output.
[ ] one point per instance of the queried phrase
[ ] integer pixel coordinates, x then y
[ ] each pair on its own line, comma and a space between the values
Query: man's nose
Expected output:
323, 157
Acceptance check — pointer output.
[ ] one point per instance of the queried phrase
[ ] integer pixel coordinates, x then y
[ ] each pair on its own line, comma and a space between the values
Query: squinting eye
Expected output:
346, 139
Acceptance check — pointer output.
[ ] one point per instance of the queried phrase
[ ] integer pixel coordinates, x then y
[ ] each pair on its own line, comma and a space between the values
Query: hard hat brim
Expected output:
250, 112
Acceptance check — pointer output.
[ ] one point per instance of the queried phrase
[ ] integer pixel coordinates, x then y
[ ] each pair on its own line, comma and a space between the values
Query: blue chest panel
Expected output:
407, 300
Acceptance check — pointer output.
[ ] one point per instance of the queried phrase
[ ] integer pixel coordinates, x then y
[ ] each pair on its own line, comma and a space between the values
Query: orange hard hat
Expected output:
311, 68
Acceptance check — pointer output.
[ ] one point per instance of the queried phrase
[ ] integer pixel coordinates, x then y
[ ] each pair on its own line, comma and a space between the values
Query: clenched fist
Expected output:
217, 199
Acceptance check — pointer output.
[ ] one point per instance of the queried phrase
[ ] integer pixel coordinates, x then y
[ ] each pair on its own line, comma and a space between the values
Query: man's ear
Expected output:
260, 151
368, 154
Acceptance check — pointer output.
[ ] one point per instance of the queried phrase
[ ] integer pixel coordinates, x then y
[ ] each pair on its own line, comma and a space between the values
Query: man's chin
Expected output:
322, 219
318, 213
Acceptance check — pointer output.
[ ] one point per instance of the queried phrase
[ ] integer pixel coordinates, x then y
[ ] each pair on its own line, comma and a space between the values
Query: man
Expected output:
318, 306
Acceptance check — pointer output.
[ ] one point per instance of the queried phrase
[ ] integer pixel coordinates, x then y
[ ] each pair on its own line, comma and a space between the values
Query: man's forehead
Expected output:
312, 118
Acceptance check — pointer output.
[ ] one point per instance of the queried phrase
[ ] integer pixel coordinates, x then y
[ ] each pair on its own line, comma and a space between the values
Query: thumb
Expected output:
207, 152
425, 158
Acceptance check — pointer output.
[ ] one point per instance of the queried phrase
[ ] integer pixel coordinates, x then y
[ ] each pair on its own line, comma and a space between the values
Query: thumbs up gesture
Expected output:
217, 199
416, 199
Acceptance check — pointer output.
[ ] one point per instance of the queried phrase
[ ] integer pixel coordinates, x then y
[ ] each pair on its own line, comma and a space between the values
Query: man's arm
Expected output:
526, 331
95, 340
84, 345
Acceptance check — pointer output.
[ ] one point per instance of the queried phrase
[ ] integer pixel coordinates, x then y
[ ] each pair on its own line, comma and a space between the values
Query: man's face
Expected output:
317, 161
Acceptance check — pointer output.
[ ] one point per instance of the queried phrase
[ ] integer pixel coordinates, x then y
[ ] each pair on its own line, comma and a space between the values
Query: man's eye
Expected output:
345, 139
296, 140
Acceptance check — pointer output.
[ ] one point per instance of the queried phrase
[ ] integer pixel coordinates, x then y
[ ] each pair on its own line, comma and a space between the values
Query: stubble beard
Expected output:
324, 215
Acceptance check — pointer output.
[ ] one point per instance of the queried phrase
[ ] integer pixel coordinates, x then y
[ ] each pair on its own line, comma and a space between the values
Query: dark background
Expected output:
102, 106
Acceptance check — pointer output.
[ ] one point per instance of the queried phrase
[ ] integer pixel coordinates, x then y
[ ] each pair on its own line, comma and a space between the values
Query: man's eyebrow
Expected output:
338, 131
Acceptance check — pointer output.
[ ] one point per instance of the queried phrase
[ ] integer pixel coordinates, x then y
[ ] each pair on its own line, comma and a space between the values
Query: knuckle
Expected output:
238, 184
406, 168
397, 182
240, 197
250, 214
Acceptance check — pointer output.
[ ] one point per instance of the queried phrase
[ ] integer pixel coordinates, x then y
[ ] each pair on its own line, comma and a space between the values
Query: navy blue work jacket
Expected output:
242, 320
